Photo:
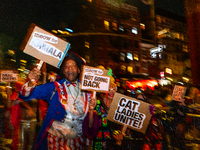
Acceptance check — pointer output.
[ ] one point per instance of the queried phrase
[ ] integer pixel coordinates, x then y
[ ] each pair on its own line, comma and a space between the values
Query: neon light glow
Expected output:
150, 83
70, 30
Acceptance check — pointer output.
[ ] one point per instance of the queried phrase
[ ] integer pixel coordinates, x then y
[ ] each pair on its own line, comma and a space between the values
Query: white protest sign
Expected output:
178, 93
94, 79
9, 75
45, 46
129, 112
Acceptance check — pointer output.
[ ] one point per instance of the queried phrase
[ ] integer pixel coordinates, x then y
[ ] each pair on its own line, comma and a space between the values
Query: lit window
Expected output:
158, 19
87, 58
177, 35
89, 1
122, 56
87, 44
114, 26
182, 37
130, 56
163, 20
185, 48
142, 26
136, 57
121, 28
134, 30
106, 24
168, 70
123, 67
130, 69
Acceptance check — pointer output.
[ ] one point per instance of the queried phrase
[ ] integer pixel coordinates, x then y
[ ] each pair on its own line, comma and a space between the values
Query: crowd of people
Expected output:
59, 115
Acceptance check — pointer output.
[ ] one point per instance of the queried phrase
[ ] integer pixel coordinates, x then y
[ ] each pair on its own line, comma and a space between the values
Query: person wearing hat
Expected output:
68, 105
100, 133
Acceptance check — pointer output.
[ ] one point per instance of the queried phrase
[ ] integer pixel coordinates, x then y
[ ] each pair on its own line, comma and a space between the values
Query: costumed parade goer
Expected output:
13, 115
96, 127
68, 106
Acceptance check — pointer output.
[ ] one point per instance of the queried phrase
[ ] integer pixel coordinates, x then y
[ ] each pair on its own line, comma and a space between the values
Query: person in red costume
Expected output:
13, 115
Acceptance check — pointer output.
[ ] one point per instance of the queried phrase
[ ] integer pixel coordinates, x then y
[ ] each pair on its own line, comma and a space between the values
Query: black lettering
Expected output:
51, 50
128, 104
136, 115
85, 83
122, 119
133, 114
127, 119
135, 123
118, 109
54, 52
101, 79
124, 111
97, 85
131, 120
59, 55
135, 104
139, 124
117, 115
89, 77
89, 84
129, 113
122, 99
141, 117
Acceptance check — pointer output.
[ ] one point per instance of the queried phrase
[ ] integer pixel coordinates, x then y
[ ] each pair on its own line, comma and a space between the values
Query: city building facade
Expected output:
172, 40
110, 36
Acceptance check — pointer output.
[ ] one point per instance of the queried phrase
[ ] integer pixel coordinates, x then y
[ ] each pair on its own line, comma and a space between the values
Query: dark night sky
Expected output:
17, 15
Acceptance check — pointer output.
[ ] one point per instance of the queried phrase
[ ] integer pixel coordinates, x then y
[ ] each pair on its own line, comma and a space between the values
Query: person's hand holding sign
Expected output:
92, 105
33, 76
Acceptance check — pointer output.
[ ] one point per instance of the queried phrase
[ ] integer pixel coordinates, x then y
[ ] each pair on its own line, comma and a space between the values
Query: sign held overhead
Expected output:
45, 46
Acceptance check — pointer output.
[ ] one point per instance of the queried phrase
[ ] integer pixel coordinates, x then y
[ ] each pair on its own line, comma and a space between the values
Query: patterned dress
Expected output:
99, 133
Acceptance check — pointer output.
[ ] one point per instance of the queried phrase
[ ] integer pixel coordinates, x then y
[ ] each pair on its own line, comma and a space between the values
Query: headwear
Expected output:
75, 57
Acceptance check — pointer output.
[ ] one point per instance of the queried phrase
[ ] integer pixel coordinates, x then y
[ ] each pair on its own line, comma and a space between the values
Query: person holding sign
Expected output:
95, 125
68, 106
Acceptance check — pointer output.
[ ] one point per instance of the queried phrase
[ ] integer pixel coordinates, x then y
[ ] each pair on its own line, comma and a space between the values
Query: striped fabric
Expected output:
56, 143
26, 91
88, 142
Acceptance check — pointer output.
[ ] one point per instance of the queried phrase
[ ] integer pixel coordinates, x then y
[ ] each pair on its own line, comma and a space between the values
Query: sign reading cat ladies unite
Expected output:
94, 79
45, 46
129, 111
8, 75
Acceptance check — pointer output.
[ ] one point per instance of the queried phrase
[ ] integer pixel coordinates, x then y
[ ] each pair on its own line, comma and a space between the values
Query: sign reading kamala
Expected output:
44, 46
9, 75
128, 111
94, 79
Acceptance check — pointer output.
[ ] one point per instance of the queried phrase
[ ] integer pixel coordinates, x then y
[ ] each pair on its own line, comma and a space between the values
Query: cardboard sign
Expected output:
45, 46
9, 75
94, 79
178, 93
130, 112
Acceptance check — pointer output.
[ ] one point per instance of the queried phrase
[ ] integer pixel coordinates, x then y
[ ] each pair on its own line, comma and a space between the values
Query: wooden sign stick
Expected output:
94, 94
39, 65
124, 129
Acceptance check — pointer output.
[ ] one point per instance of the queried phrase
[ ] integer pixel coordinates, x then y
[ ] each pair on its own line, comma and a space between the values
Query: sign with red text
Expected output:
94, 79
45, 46
9, 76
129, 111
178, 93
